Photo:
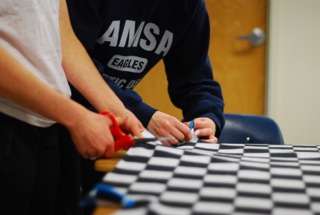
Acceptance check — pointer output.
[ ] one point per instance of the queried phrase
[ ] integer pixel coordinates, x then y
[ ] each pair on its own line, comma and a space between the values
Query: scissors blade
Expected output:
151, 139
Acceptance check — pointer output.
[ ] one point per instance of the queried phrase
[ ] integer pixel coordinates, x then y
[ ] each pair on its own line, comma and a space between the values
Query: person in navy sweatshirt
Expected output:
126, 38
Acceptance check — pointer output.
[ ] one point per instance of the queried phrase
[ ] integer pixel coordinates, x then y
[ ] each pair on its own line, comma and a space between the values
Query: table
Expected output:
202, 178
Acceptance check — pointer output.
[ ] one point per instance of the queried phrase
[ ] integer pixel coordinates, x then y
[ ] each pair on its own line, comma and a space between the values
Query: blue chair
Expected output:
245, 128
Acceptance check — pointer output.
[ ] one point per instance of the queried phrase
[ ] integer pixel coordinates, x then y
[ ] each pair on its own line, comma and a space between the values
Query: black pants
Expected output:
77, 177
69, 190
29, 167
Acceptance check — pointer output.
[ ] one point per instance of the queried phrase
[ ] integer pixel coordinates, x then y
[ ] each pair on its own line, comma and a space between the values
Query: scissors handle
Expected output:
122, 140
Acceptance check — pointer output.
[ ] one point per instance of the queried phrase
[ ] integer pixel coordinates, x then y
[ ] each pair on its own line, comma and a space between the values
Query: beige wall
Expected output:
294, 69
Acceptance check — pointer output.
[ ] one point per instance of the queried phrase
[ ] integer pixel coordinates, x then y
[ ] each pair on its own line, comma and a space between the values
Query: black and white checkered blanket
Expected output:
202, 178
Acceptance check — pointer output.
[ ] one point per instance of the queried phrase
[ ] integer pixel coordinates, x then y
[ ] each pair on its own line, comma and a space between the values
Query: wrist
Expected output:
72, 114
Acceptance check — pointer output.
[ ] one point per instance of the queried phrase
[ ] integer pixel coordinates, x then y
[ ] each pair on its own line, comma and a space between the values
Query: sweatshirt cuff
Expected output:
143, 112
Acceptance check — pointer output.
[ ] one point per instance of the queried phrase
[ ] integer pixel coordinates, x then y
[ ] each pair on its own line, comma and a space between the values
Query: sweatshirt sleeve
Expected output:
133, 102
191, 84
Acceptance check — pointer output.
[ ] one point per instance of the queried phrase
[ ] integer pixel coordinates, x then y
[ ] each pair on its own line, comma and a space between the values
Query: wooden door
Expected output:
238, 66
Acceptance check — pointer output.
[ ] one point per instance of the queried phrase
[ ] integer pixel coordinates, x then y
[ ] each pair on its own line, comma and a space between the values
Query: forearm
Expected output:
82, 73
20, 86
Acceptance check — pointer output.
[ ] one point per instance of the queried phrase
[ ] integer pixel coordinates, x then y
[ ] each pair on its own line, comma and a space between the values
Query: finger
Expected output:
141, 127
136, 131
166, 143
172, 141
175, 141
211, 139
94, 154
177, 137
187, 124
200, 123
109, 152
109, 149
182, 132
205, 132
91, 155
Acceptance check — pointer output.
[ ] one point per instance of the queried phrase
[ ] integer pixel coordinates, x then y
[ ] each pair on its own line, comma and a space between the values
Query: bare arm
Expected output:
19, 85
90, 131
84, 76
22, 87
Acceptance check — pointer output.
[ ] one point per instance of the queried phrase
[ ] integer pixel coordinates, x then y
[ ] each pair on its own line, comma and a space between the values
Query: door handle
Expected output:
255, 38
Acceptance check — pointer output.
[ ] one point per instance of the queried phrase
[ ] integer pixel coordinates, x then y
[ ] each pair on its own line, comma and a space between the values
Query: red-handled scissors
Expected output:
123, 140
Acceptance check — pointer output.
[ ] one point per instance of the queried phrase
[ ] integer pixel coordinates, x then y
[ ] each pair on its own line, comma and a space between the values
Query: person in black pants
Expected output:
39, 55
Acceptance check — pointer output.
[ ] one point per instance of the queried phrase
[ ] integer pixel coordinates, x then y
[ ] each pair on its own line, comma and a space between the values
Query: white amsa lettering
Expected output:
147, 36
132, 64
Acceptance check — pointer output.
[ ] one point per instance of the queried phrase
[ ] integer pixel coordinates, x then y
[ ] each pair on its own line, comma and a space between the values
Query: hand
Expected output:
164, 125
206, 129
130, 124
91, 135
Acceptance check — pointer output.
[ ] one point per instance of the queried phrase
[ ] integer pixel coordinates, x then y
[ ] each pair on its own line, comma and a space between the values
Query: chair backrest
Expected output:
245, 128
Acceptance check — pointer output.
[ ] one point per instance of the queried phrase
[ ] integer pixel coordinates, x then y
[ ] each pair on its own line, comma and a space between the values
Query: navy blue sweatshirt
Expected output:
126, 38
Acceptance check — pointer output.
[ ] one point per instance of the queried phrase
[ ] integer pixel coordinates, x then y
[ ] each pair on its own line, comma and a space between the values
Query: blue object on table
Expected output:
191, 126
110, 194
